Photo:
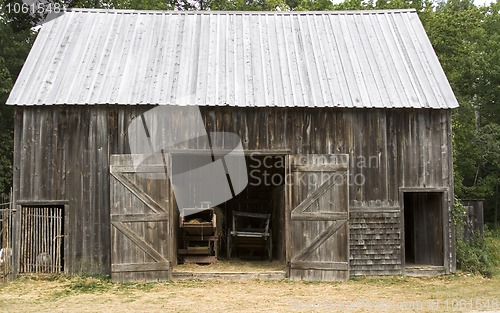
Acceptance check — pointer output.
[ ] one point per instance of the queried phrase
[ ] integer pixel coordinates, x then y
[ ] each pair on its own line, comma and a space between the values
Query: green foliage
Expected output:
6, 133
480, 255
458, 217
246, 5
466, 39
314, 5
5, 78
186, 5
477, 255
421, 6
15, 42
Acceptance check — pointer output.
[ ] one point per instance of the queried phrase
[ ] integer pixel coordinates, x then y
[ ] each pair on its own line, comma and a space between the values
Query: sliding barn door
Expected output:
318, 229
140, 230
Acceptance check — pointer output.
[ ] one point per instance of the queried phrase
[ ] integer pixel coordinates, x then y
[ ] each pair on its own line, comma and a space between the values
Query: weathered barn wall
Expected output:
62, 153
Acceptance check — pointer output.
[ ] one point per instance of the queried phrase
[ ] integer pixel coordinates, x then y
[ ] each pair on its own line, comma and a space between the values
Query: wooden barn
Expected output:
347, 114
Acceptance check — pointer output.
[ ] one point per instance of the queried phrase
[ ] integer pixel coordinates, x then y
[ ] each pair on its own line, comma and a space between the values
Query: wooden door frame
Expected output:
444, 191
16, 232
285, 153
288, 215
172, 233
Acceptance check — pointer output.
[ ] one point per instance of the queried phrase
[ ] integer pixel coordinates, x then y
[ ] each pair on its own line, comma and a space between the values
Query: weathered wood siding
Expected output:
62, 153
474, 219
140, 233
318, 245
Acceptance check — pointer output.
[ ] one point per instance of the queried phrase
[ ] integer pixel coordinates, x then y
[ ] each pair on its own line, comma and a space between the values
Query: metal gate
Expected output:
318, 230
140, 230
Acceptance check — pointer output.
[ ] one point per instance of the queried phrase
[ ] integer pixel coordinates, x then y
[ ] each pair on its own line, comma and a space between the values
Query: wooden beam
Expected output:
314, 195
144, 246
424, 189
320, 216
132, 187
140, 267
41, 202
155, 217
312, 265
319, 240
319, 168
374, 210
143, 168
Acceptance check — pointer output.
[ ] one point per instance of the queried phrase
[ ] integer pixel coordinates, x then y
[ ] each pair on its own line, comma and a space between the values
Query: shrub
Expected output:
477, 255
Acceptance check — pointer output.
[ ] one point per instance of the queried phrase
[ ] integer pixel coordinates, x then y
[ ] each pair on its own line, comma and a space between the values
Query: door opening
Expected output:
423, 228
258, 213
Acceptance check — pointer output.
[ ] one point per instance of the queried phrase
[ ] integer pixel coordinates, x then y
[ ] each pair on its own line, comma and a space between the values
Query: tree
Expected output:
466, 39
16, 39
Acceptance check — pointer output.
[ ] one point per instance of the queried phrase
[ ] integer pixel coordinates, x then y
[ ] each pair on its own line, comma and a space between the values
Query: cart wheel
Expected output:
229, 248
270, 247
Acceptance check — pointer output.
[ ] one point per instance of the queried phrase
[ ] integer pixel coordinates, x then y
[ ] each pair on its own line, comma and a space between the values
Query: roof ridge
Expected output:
160, 12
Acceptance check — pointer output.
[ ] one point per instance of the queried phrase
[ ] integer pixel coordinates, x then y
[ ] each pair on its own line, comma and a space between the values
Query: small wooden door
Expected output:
140, 230
317, 223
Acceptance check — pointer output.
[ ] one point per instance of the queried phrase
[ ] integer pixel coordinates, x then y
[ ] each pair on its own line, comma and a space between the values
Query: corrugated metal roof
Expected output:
366, 59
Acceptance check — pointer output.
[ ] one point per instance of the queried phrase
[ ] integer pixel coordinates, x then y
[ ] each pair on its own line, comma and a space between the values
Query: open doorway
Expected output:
423, 228
258, 209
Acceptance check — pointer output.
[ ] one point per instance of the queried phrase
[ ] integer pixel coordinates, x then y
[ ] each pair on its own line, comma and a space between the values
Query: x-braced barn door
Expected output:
140, 230
318, 229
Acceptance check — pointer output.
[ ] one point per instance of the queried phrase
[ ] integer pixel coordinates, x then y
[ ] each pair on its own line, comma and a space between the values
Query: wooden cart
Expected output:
250, 231
199, 236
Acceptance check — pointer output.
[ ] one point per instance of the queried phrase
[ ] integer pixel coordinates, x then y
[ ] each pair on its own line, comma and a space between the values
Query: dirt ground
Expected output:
457, 293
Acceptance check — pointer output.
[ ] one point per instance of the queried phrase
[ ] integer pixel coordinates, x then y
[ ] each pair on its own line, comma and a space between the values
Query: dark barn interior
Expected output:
264, 195
423, 219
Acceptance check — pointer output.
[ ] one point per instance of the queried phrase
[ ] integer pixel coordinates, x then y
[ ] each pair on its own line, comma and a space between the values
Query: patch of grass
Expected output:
136, 286
61, 294
90, 284
311, 282
97, 276
379, 280
191, 283
42, 277
52, 277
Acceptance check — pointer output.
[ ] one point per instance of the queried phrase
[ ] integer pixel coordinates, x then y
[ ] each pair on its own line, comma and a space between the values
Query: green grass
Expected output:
90, 285
379, 280
125, 286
